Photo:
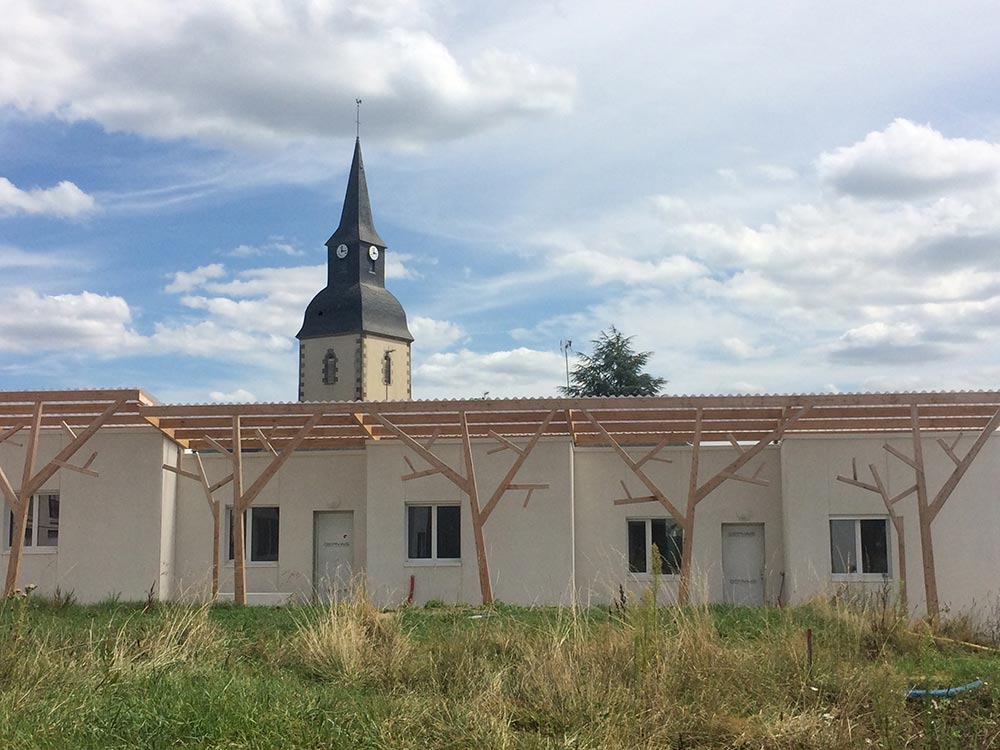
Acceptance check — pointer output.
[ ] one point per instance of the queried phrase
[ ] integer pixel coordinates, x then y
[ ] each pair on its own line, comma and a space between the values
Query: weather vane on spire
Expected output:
357, 119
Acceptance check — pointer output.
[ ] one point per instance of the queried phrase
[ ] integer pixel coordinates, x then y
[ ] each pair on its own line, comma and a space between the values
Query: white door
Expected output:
743, 563
333, 557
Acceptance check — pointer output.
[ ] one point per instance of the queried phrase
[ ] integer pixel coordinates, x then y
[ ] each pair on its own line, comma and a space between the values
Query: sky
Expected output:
770, 197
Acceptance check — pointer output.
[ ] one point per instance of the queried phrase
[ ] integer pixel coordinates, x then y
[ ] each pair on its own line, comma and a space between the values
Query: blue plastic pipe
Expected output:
943, 692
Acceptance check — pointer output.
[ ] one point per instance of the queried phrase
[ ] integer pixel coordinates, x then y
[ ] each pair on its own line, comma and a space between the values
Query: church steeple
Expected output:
356, 224
354, 330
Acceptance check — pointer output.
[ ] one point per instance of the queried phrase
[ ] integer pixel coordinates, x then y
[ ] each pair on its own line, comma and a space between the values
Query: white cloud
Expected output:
238, 396
467, 374
15, 257
185, 281
777, 172
65, 200
907, 160
75, 323
150, 76
275, 247
737, 347
434, 335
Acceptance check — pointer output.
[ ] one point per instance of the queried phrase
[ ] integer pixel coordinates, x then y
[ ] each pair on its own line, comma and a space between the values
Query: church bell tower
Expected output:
354, 343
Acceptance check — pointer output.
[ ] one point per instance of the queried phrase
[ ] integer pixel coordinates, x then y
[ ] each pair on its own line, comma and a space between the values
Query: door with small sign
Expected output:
743, 563
333, 557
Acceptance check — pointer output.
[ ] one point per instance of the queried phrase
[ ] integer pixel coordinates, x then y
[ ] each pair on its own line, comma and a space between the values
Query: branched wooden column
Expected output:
243, 500
214, 507
696, 493
927, 509
20, 500
468, 483
880, 489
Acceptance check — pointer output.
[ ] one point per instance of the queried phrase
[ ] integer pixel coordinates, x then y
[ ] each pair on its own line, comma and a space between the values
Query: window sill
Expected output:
35, 551
861, 578
646, 577
229, 564
432, 564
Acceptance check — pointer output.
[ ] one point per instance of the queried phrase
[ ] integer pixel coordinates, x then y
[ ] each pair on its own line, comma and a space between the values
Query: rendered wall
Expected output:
966, 550
111, 527
601, 526
530, 549
310, 481
373, 351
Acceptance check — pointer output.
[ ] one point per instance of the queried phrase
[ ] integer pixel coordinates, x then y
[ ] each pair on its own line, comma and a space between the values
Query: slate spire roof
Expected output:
356, 224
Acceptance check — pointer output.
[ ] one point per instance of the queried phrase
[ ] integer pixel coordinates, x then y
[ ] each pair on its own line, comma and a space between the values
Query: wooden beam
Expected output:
457, 479
956, 476
897, 522
69, 430
636, 500
9, 495
219, 446
181, 472
78, 469
8, 434
924, 520
23, 504
359, 417
523, 454
420, 474
221, 483
904, 494
637, 470
485, 584
750, 453
735, 442
949, 451
216, 509
505, 444
652, 454
278, 461
237, 523
857, 483
900, 455
264, 441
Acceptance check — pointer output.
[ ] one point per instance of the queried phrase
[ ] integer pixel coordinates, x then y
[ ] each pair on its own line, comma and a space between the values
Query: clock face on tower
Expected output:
373, 252
341, 251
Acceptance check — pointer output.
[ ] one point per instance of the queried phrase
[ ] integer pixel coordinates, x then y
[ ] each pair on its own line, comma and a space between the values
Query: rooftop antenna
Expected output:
357, 119
566, 345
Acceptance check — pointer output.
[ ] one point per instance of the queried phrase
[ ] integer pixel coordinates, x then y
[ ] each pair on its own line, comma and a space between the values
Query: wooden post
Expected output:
216, 508
485, 585
238, 531
23, 504
684, 589
924, 520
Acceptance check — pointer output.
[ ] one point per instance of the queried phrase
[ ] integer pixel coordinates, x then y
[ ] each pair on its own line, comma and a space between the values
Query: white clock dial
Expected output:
373, 252
341, 251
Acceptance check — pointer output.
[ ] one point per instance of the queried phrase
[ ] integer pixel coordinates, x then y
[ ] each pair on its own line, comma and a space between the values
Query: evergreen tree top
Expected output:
614, 369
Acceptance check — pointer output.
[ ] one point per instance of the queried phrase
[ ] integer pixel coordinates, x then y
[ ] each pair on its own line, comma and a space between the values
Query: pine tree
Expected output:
614, 369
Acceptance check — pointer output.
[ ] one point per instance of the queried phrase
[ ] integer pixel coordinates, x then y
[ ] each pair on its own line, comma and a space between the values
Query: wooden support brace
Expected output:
505, 444
420, 474
735, 443
857, 483
901, 456
78, 469
218, 446
360, 419
651, 456
435, 434
854, 468
749, 480
221, 483
69, 430
522, 456
181, 472
630, 500
265, 442
8, 434
409, 463
457, 479
950, 451
904, 494
530, 489
8, 492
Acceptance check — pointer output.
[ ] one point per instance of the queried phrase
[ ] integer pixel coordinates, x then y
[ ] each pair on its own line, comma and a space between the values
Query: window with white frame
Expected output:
859, 546
42, 529
433, 532
668, 537
260, 526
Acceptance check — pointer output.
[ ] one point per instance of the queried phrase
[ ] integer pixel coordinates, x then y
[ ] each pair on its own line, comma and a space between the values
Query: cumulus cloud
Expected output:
65, 200
435, 335
150, 77
907, 160
274, 247
881, 343
78, 323
468, 374
185, 281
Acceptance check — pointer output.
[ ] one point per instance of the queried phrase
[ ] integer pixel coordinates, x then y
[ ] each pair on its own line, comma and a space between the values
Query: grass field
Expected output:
123, 675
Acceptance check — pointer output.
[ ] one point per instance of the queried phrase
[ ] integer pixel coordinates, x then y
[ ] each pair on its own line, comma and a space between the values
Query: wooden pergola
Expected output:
748, 424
